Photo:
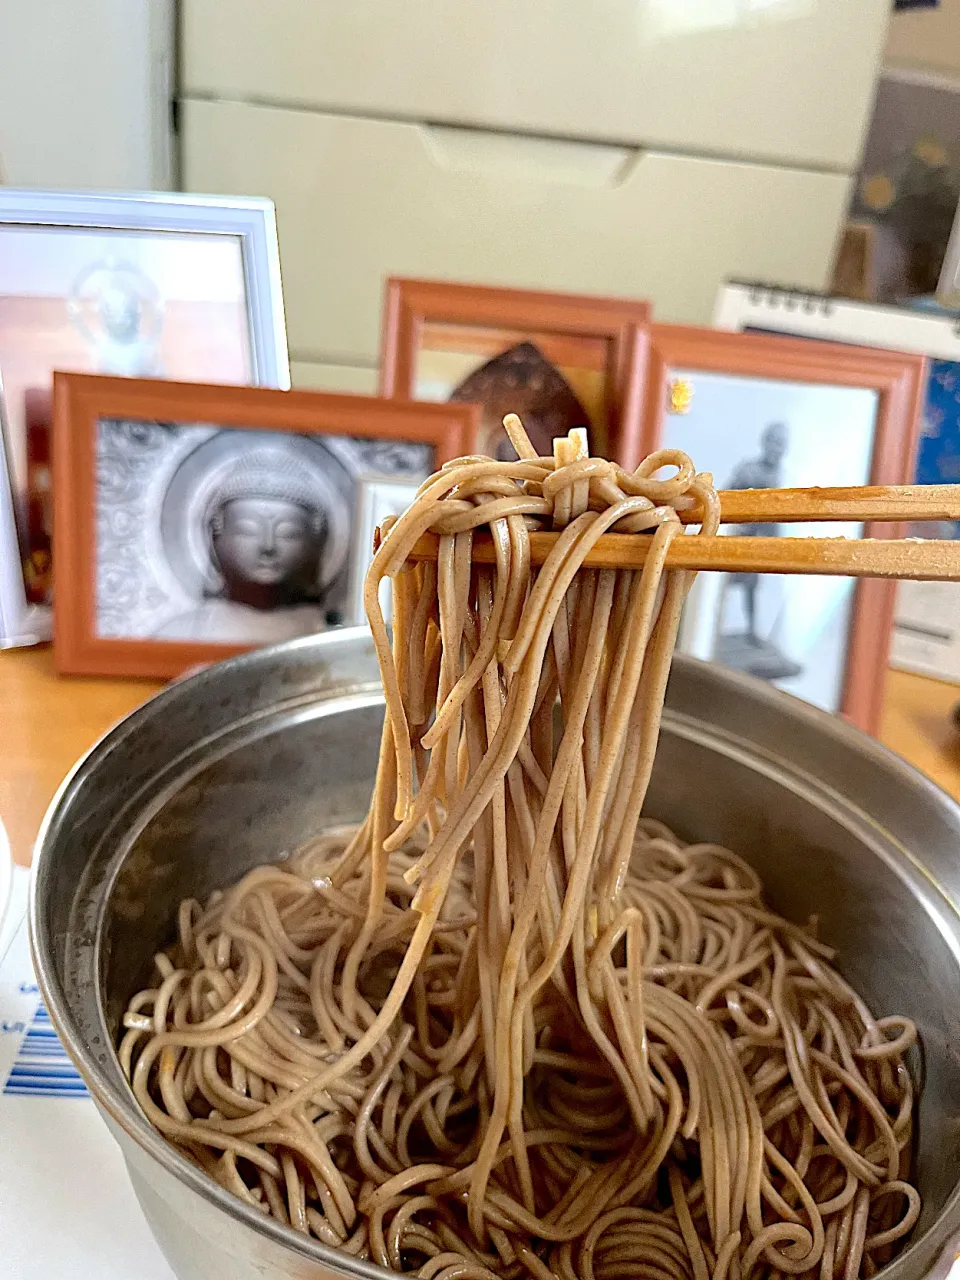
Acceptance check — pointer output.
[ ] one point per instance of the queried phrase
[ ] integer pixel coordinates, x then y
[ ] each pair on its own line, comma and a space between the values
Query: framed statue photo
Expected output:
926, 632
196, 521
160, 285
558, 360
766, 412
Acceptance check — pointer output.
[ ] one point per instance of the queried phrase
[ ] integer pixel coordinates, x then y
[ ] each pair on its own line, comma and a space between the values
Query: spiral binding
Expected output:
810, 302
789, 297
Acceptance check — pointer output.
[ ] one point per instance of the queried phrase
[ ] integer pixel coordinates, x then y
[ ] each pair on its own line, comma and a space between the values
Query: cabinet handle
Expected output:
525, 159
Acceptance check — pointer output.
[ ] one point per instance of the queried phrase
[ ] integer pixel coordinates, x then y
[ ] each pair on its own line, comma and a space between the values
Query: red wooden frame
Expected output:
899, 381
410, 304
82, 400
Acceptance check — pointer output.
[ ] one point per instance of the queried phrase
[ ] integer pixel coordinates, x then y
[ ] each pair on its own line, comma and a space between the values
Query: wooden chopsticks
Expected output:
924, 560
888, 503
934, 560
921, 559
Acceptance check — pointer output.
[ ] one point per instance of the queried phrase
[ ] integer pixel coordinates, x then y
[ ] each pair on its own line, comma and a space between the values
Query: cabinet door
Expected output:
359, 200
314, 375
788, 80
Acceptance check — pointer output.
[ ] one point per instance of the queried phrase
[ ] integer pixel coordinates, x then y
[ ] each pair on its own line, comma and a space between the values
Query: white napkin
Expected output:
67, 1209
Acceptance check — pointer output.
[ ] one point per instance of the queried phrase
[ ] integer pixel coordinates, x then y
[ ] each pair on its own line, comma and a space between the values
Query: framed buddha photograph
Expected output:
558, 360
196, 521
155, 285
762, 412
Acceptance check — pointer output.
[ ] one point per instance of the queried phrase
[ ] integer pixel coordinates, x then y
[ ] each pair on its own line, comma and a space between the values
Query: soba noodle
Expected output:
506, 1026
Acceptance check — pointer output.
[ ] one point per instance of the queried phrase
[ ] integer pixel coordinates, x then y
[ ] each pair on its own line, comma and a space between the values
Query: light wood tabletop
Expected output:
47, 722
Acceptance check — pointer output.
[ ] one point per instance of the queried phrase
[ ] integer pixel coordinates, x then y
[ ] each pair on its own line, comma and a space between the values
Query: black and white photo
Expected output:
756, 433
236, 536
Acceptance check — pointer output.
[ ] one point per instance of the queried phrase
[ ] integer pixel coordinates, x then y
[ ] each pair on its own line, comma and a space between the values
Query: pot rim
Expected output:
119, 1102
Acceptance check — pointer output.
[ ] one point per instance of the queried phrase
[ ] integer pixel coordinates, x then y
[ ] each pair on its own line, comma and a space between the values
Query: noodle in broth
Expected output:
506, 1026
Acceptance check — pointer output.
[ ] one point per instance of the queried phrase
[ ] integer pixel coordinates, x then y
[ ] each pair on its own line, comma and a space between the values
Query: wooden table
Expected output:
47, 723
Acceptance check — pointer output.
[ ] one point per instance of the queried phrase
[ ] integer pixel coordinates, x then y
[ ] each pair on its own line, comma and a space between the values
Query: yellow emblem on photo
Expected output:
680, 395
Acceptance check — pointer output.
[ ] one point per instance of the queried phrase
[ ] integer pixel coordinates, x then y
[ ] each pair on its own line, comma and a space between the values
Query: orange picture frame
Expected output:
83, 402
898, 381
597, 344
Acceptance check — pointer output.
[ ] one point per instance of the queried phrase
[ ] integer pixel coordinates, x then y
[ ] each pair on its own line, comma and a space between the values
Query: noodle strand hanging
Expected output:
507, 1027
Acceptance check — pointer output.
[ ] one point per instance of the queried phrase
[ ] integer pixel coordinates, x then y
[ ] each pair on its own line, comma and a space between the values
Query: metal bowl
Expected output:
245, 760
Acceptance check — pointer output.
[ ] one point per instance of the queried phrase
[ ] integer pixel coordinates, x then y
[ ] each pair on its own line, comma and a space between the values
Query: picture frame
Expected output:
760, 411
379, 497
558, 360
926, 629
196, 521
155, 284
908, 187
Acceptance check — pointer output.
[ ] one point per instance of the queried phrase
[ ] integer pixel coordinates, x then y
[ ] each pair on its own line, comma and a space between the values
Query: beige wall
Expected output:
926, 38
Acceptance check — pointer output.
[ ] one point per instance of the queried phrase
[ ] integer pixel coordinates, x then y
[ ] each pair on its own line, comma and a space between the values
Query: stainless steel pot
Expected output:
247, 759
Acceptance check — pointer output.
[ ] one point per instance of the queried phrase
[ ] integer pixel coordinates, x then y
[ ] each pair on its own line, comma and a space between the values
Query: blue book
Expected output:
938, 458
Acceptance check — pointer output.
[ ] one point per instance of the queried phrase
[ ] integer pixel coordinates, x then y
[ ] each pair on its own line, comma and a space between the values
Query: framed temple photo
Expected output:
557, 360
196, 521
157, 285
766, 412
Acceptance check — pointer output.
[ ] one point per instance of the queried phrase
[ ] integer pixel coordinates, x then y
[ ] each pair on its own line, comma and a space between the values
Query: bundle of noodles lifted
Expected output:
507, 1026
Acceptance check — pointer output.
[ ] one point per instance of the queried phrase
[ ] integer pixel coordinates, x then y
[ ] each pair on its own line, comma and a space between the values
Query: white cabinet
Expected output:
778, 79
646, 148
358, 200
314, 375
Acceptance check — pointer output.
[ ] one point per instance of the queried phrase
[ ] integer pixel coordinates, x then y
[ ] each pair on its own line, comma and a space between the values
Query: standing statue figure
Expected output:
762, 472
118, 310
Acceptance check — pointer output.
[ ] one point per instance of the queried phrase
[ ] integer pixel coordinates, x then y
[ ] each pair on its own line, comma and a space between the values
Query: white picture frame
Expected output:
379, 496
115, 231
